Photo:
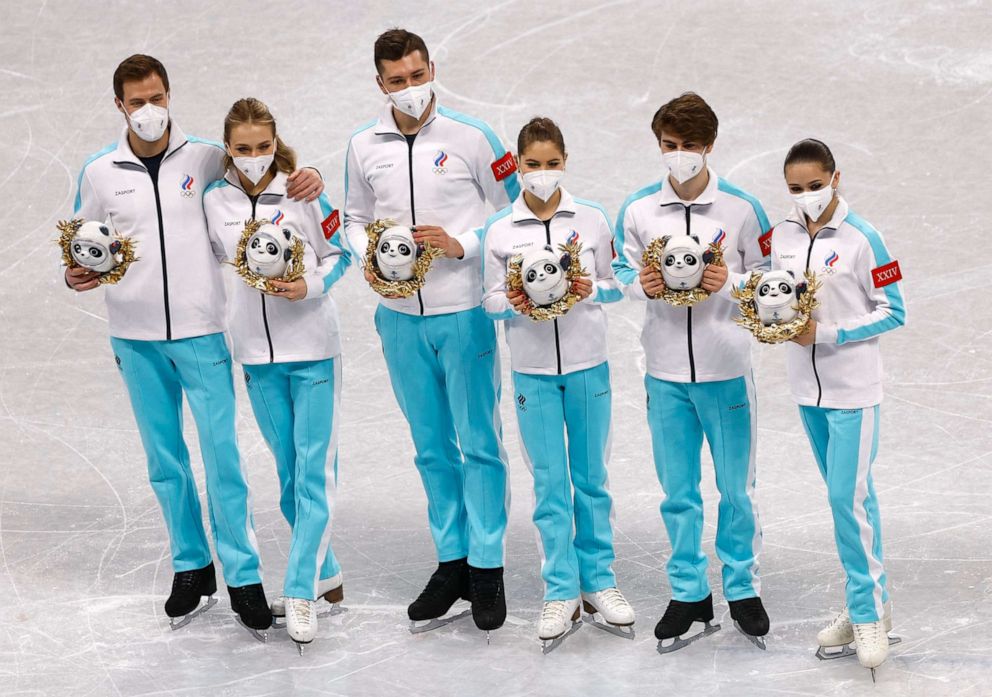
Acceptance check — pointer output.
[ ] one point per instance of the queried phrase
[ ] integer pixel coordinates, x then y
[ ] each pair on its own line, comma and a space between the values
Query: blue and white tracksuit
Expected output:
562, 390
699, 382
166, 320
439, 346
291, 353
837, 381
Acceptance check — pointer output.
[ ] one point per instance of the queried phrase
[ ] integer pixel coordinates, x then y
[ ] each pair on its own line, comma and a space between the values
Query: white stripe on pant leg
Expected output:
751, 478
330, 476
865, 531
498, 429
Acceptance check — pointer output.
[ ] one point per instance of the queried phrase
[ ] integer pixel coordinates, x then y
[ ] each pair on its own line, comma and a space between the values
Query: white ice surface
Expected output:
901, 90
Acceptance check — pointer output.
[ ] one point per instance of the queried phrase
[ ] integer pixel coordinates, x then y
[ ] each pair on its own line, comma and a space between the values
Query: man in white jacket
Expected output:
434, 169
166, 319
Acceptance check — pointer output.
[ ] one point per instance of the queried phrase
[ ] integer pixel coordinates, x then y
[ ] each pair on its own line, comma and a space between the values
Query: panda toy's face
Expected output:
396, 254
682, 267
544, 277
269, 251
775, 298
94, 247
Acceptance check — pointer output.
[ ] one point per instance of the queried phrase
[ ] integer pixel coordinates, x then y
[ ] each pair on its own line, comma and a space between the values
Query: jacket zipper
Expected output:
265, 314
165, 265
413, 210
688, 310
547, 234
819, 387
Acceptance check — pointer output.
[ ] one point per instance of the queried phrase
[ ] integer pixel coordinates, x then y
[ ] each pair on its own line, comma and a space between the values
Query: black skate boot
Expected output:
187, 589
447, 585
750, 619
678, 619
488, 599
252, 608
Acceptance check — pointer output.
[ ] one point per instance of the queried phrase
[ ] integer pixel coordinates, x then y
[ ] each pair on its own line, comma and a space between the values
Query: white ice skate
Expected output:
330, 589
616, 613
872, 644
836, 639
301, 621
556, 617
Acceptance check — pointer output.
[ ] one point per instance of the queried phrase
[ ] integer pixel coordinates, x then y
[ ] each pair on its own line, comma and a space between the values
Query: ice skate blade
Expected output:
178, 623
680, 643
437, 623
334, 610
622, 631
830, 653
300, 645
549, 645
258, 635
758, 641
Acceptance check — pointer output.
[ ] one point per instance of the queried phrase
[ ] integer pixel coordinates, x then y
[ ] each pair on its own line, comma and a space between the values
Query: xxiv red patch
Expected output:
766, 242
331, 224
884, 275
504, 167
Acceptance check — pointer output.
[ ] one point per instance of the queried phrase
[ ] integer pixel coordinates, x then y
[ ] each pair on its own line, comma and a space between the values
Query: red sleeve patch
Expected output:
331, 224
504, 167
885, 275
613, 248
766, 242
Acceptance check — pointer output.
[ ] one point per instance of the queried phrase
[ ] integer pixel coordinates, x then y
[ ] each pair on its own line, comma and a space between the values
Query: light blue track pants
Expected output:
845, 442
296, 407
156, 374
679, 415
573, 511
445, 374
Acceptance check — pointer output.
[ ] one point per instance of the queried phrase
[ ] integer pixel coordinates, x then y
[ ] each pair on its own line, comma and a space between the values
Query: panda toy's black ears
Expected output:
287, 254
695, 237
104, 230
800, 288
708, 257
565, 261
287, 234
665, 239
790, 273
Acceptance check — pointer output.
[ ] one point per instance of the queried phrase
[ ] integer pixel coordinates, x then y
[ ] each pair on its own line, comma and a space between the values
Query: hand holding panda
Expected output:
93, 254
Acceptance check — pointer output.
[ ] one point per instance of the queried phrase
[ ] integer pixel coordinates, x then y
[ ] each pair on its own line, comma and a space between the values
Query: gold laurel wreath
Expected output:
125, 255
775, 333
294, 270
654, 257
515, 281
421, 266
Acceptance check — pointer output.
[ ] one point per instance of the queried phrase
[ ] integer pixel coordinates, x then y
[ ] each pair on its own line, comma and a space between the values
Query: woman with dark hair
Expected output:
835, 375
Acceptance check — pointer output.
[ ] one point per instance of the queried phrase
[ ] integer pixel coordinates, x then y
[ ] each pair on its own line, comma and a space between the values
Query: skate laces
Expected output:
184, 580
613, 599
301, 610
485, 589
868, 632
554, 611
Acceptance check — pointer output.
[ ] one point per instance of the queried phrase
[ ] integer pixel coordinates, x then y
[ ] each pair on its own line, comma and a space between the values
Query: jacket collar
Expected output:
667, 195
387, 122
521, 211
124, 153
799, 218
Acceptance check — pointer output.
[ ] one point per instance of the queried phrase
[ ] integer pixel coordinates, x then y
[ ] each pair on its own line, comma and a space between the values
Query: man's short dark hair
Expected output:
394, 44
138, 67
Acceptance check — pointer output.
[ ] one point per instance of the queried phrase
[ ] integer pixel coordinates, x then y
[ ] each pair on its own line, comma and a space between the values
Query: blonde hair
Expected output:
250, 110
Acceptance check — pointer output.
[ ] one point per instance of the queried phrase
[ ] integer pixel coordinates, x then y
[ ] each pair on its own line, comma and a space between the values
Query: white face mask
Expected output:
413, 100
149, 122
683, 165
543, 182
254, 167
813, 203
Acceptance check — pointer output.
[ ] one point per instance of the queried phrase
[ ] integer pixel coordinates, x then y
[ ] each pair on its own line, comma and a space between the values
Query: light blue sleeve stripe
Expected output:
598, 207
608, 295
510, 184
204, 141
217, 184
728, 188
78, 203
897, 309
622, 269
344, 259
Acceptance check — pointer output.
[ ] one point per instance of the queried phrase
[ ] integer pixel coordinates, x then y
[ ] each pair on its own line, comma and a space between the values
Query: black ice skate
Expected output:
447, 585
188, 587
678, 619
487, 597
750, 619
252, 609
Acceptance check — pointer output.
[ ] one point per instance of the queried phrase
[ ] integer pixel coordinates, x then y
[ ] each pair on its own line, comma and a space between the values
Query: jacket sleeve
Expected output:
499, 192
750, 250
629, 248
216, 244
889, 309
88, 205
494, 300
330, 253
359, 205
607, 288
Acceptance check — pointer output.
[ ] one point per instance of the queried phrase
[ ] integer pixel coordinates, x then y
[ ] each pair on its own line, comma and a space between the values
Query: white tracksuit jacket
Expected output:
701, 343
174, 290
445, 177
267, 329
576, 341
860, 298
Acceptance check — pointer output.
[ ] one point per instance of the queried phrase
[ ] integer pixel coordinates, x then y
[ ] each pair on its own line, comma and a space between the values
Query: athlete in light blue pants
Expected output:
576, 527
845, 442
679, 415
444, 371
295, 405
156, 374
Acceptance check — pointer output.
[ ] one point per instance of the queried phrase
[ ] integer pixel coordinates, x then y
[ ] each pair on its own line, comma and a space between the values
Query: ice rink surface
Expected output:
902, 91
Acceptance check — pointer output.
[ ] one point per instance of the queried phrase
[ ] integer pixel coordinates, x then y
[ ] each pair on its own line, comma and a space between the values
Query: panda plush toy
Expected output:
269, 251
94, 247
544, 275
397, 253
683, 263
776, 297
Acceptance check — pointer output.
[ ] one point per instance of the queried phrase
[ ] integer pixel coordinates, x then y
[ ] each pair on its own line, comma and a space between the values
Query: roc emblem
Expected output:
186, 188
439, 161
